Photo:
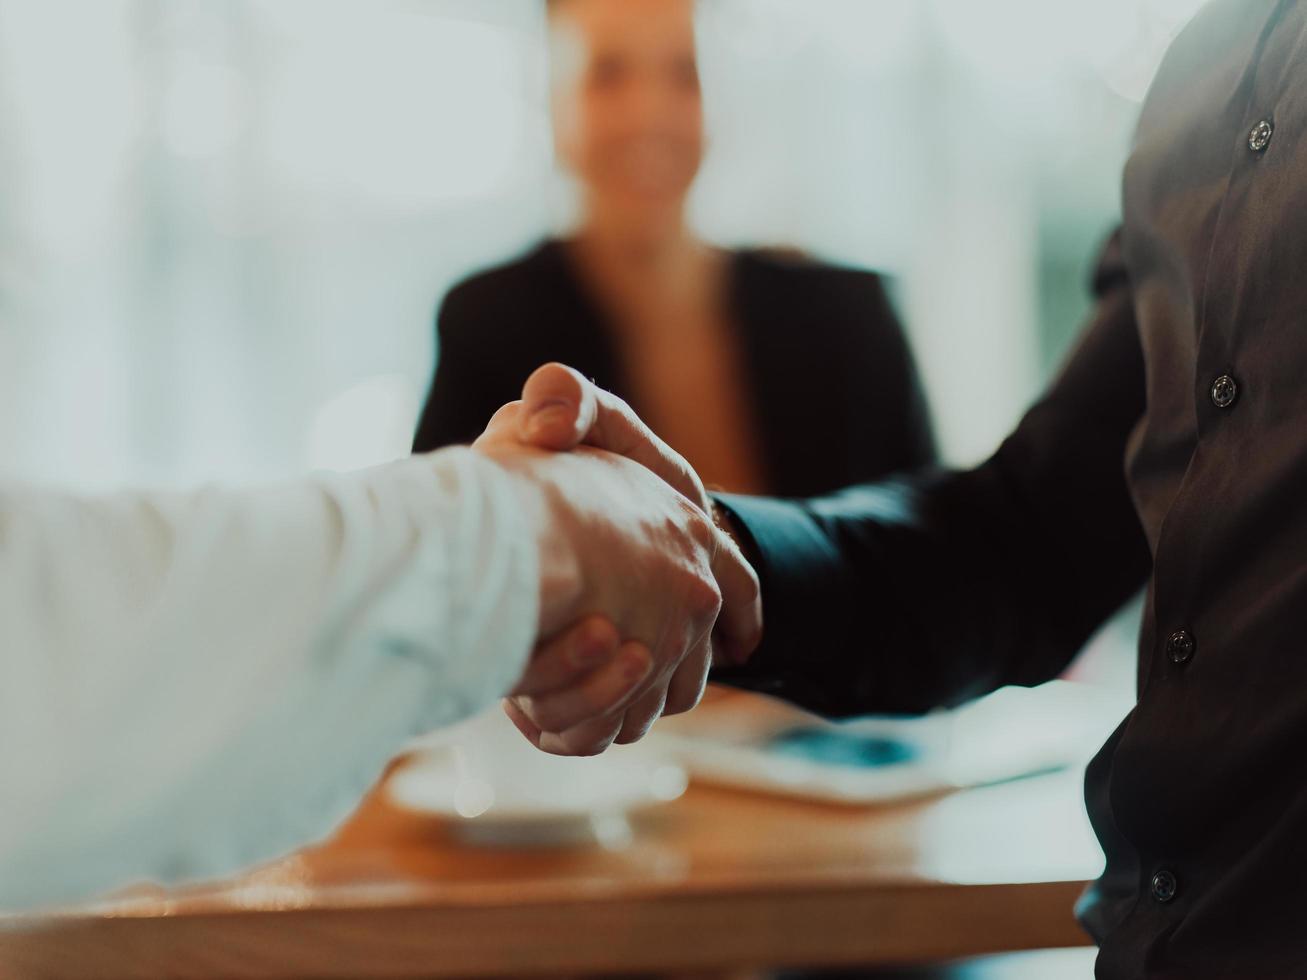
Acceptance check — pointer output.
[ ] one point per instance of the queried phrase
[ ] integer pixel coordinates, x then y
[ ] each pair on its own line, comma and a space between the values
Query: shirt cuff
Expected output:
805, 586
469, 606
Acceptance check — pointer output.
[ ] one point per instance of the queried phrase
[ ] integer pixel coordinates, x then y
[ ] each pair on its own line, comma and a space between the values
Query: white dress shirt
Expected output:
192, 683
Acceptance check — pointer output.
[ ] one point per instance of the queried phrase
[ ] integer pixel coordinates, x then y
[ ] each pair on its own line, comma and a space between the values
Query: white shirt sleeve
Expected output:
192, 683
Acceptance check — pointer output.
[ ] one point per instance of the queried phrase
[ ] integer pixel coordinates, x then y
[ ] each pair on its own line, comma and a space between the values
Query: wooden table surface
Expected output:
716, 881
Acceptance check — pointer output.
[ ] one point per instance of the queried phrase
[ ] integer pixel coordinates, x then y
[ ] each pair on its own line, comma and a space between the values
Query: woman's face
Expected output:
627, 108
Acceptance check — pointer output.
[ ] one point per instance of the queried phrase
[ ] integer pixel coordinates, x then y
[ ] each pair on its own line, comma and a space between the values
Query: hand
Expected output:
617, 541
577, 680
561, 410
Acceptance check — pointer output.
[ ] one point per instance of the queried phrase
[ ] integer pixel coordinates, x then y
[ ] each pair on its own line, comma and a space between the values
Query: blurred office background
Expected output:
225, 224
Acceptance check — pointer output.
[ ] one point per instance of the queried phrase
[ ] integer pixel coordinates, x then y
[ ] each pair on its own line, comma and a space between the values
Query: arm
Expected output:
195, 682
913, 593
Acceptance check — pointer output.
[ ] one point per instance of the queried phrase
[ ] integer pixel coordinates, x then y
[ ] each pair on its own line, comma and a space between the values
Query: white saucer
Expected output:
545, 801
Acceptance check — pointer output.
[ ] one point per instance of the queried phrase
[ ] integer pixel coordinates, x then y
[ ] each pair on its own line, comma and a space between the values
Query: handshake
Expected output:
641, 591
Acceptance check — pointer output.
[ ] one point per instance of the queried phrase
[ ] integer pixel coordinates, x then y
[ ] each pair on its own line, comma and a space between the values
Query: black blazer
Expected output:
834, 391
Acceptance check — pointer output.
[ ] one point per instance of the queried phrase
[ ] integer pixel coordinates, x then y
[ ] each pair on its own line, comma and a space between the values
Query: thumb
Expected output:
502, 425
562, 410
558, 409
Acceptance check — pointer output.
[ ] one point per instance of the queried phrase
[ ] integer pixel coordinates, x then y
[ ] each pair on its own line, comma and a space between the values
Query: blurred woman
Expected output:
770, 374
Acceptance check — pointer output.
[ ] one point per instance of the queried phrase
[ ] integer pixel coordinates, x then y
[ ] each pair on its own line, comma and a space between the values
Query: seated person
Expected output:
732, 357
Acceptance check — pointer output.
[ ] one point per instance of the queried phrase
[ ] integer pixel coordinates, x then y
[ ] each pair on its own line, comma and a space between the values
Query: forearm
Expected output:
873, 602
908, 594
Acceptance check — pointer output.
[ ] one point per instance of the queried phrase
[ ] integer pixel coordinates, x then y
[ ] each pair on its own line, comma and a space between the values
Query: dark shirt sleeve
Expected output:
470, 383
928, 590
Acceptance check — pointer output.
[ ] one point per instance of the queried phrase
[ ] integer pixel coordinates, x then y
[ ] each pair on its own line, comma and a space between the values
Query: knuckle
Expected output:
682, 701
640, 718
589, 744
688, 686
703, 596
637, 726
633, 736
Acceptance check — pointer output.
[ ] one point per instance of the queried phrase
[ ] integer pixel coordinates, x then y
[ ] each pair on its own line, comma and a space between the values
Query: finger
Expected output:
561, 410
559, 407
563, 661
599, 695
591, 738
523, 723
686, 687
502, 424
641, 715
681, 692
739, 624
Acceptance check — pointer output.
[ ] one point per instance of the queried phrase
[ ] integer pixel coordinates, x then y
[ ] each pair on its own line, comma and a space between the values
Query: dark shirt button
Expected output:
1224, 391
1180, 646
1260, 137
1163, 886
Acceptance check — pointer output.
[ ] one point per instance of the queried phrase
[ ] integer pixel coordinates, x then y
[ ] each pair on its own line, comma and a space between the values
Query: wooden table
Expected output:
717, 881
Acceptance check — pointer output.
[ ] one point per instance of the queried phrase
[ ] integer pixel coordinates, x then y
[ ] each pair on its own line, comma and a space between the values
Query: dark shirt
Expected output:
821, 346
1171, 451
